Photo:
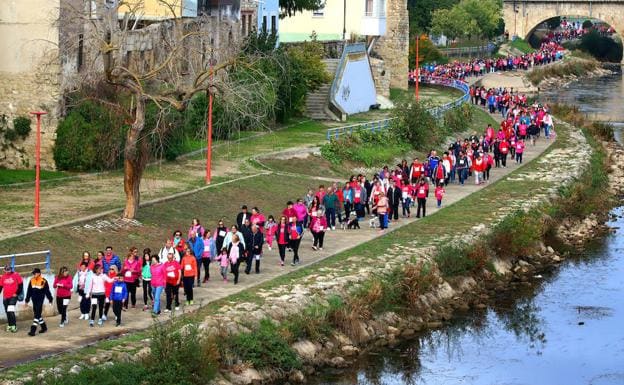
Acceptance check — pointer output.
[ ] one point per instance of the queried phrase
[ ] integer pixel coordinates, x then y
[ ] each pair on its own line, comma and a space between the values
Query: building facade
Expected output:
43, 55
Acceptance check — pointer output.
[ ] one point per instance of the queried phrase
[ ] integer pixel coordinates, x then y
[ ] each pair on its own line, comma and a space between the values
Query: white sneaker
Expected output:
333, 228
81, 316
100, 322
62, 325
104, 318
177, 308
167, 311
270, 248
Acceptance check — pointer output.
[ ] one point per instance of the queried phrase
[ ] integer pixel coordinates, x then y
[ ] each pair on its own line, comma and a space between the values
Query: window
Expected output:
264, 23
369, 8
273, 24
244, 25
80, 51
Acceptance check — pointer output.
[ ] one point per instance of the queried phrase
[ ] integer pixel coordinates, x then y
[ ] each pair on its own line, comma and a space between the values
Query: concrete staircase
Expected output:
317, 101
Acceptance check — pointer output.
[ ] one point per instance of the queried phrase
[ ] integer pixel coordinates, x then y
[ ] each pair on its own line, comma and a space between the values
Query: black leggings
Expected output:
235, 267
318, 238
282, 251
10, 314
85, 303
132, 286
294, 245
422, 203
206, 264
147, 291
99, 305
62, 309
117, 310
188, 287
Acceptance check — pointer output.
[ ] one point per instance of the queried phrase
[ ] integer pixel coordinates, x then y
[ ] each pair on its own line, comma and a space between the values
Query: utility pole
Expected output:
38, 114
344, 21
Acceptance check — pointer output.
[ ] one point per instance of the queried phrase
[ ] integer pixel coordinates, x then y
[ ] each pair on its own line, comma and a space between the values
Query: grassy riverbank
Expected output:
570, 67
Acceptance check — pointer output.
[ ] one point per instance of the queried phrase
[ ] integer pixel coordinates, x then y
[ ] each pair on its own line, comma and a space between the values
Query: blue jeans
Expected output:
330, 215
547, 130
156, 293
463, 175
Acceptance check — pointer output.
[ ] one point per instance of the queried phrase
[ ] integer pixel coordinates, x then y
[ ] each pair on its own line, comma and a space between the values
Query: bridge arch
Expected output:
523, 16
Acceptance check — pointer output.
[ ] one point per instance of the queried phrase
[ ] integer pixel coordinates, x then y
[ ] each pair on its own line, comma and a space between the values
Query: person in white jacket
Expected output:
168, 248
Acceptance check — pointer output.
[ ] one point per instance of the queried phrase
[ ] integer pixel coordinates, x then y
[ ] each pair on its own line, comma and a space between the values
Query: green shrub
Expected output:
21, 125
517, 235
116, 374
414, 125
367, 147
458, 119
602, 131
312, 323
264, 347
452, 260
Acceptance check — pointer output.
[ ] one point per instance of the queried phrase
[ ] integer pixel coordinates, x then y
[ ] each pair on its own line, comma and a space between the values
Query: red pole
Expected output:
417, 70
209, 148
37, 163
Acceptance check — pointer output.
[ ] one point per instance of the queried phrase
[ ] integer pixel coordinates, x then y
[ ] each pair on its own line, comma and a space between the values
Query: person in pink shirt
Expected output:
63, 285
519, 150
301, 211
257, 218
173, 277
271, 226
131, 272
439, 194
157, 270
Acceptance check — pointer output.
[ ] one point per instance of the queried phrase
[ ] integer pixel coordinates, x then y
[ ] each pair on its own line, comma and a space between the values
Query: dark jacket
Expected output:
286, 233
247, 237
38, 290
257, 240
239, 219
394, 196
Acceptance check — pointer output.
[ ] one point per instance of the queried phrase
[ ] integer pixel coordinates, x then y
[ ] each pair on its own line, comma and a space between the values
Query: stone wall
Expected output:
393, 48
381, 75
21, 93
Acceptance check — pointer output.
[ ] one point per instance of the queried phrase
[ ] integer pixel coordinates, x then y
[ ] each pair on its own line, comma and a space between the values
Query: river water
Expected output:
566, 329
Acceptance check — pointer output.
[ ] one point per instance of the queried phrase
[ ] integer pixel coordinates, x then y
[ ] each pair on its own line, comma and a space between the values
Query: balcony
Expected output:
373, 23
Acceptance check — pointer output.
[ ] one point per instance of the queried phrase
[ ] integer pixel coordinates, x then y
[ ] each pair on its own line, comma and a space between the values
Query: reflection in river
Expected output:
567, 328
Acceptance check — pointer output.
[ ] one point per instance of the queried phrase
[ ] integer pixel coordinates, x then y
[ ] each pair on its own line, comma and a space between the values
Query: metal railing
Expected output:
437, 112
461, 51
13, 258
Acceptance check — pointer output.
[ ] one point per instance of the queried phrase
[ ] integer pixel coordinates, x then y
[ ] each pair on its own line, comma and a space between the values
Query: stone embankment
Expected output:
577, 232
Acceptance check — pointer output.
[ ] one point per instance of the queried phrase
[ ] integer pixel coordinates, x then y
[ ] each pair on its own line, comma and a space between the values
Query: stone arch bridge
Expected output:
522, 16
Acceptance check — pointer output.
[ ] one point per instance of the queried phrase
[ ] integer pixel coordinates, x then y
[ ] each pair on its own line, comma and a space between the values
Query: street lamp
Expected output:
344, 20
211, 63
38, 114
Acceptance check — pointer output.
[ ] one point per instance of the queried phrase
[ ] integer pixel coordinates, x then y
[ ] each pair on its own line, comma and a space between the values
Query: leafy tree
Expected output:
421, 13
290, 7
468, 18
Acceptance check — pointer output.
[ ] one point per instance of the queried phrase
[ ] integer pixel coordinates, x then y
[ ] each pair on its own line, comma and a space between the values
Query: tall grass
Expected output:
576, 67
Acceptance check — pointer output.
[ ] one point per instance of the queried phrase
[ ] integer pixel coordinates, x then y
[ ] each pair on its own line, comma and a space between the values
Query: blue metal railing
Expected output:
13, 258
437, 112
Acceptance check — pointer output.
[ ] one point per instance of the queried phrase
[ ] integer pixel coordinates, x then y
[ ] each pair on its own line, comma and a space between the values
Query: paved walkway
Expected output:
78, 333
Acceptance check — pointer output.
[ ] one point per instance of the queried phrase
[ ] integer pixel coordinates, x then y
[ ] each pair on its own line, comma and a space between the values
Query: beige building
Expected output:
42, 52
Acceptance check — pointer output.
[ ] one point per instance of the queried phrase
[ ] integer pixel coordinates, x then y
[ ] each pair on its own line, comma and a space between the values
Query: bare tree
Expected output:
165, 63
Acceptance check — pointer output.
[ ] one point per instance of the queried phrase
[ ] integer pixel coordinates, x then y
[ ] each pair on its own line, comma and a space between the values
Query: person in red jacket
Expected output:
479, 168
172, 280
422, 192
12, 289
504, 150
63, 285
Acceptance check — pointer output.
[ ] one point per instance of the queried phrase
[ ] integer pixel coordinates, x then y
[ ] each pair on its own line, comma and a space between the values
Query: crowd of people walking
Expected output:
106, 280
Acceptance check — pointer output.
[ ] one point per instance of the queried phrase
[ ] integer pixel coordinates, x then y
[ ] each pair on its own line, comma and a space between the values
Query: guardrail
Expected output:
460, 51
378, 125
13, 258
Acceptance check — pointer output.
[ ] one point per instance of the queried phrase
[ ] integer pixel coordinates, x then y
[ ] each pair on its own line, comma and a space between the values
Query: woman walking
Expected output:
318, 225
146, 278
283, 238
381, 208
131, 272
63, 285
157, 271
235, 252
82, 284
189, 272
209, 253
98, 295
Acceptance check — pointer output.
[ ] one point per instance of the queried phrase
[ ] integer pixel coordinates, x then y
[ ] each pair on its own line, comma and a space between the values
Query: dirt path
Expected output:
78, 333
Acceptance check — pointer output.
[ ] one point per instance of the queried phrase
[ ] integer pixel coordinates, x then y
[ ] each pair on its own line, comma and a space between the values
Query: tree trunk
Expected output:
135, 159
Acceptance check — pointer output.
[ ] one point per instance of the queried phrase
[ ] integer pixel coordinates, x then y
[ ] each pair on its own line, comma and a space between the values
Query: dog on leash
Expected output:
374, 222
353, 223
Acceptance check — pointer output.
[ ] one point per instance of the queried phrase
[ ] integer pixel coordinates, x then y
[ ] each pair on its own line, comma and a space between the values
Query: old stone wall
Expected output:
381, 75
21, 93
393, 48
